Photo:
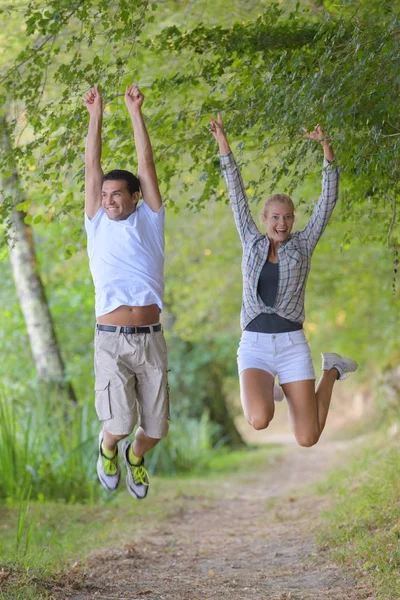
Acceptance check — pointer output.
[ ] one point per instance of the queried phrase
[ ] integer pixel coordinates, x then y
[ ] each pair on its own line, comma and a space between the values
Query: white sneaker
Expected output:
108, 469
278, 393
344, 366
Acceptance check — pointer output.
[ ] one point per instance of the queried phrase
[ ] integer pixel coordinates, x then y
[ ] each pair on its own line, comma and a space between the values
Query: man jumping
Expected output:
126, 254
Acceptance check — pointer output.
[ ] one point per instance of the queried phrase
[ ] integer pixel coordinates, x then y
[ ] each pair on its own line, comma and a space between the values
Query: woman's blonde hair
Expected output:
276, 199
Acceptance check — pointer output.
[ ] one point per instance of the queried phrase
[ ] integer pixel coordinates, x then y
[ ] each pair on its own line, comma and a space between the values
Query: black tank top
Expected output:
267, 289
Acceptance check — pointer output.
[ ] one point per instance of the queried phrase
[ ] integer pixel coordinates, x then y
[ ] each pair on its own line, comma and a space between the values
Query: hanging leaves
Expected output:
268, 76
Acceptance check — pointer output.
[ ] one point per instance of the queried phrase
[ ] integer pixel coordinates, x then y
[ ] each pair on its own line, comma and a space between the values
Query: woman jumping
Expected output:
275, 268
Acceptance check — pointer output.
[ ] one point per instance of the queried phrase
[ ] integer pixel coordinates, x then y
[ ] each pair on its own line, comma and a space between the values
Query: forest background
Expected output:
270, 68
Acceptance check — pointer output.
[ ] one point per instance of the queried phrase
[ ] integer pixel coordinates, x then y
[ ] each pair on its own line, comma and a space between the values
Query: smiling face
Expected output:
117, 201
278, 219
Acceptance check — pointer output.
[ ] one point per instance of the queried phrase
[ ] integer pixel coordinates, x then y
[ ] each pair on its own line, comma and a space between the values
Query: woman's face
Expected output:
278, 221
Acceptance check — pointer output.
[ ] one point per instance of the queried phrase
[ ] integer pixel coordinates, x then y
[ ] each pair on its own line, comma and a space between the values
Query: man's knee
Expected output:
153, 434
116, 437
155, 440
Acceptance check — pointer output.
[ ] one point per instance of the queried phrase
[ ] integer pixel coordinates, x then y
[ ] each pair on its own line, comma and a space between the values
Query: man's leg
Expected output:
152, 394
142, 443
108, 469
137, 479
115, 402
110, 440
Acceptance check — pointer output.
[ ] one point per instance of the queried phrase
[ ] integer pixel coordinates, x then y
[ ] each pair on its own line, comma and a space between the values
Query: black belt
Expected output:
145, 329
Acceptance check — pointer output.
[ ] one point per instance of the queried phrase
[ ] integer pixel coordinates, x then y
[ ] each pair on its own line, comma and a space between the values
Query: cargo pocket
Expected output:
102, 400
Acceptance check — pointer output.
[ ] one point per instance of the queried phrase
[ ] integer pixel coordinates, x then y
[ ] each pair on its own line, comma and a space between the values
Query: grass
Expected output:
53, 511
40, 539
49, 447
362, 528
46, 446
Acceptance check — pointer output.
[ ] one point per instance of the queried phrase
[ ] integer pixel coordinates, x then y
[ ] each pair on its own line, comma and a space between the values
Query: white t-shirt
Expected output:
126, 258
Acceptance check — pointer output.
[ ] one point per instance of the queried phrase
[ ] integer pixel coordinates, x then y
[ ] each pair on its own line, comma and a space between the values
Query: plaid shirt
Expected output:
294, 255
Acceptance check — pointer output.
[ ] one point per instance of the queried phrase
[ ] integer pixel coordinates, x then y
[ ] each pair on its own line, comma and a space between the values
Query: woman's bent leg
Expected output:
303, 411
257, 397
324, 395
308, 409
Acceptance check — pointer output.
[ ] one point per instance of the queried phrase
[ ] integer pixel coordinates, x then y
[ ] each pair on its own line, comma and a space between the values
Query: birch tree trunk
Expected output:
39, 324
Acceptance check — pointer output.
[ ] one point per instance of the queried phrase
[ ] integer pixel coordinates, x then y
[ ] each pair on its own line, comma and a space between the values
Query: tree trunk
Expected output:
46, 353
215, 402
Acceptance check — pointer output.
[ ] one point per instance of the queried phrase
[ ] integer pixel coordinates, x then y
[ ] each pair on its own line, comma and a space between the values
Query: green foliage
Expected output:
191, 364
46, 449
268, 75
350, 303
284, 66
68, 48
203, 276
198, 372
275, 69
362, 528
24, 530
50, 449
188, 447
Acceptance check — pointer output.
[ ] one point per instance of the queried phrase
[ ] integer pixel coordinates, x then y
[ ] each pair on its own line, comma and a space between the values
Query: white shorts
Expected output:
286, 355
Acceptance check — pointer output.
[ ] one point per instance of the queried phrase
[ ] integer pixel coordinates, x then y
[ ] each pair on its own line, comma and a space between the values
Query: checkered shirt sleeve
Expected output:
324, 207
245, 224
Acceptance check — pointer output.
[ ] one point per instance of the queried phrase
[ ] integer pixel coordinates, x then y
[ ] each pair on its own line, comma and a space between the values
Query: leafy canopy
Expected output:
268, 76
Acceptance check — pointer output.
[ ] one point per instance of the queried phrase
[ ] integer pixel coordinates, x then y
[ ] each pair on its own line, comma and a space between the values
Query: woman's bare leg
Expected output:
257, 397
308, 409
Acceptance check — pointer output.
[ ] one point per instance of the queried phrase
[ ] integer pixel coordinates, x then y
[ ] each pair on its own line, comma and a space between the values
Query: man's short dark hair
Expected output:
132, 182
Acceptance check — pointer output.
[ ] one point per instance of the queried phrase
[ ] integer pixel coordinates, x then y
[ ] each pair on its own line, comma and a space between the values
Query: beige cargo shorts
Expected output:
131, 383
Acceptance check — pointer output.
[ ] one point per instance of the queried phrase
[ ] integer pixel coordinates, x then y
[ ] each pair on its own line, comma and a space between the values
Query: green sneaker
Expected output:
137, 478
108, 469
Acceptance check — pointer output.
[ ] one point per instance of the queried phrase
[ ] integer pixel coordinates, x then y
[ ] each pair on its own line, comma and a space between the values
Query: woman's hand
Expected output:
218, 131
319, 136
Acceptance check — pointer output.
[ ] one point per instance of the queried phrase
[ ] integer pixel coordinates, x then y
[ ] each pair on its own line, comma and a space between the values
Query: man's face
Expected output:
117, 202
279, 221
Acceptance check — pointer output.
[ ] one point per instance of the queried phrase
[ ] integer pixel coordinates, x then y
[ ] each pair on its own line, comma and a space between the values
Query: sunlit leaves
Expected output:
267, 76
273, 75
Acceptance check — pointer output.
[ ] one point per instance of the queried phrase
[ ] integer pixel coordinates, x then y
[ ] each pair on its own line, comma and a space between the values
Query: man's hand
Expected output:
93, 101
318, 135
218, 131
133, 98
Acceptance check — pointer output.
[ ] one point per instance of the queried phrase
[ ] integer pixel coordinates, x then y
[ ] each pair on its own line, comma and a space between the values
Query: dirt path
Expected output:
256, 541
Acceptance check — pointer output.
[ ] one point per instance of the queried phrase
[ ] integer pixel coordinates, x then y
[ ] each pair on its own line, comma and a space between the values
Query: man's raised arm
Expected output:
146, 168
93, 171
